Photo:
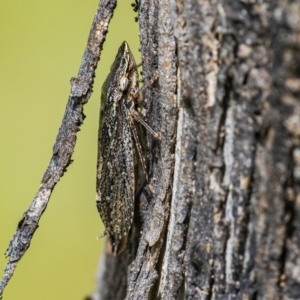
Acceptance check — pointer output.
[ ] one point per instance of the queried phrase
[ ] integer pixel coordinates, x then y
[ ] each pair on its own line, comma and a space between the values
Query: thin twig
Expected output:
81, 90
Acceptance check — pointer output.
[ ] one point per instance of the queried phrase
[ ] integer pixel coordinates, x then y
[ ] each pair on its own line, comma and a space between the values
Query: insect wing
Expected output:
115, 177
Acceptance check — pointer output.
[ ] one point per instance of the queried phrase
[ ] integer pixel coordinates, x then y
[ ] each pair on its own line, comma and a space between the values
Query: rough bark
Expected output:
221, 218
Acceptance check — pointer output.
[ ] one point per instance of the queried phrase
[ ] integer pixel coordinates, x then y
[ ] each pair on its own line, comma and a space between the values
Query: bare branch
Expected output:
81, 90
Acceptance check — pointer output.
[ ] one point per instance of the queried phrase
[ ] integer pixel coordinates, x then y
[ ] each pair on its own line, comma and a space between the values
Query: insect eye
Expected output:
123, 83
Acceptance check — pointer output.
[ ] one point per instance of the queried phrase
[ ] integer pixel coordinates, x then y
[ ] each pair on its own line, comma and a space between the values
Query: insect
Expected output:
116, 139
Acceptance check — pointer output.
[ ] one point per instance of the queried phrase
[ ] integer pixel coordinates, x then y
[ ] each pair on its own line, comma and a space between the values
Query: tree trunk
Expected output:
221, 216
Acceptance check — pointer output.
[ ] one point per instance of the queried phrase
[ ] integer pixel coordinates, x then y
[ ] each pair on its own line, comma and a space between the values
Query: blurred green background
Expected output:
41, 45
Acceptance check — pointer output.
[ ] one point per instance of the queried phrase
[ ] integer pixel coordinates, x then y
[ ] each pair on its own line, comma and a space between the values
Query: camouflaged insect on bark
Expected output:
115, 170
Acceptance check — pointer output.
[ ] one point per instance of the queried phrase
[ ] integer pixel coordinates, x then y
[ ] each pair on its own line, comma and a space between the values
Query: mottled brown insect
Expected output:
117, 133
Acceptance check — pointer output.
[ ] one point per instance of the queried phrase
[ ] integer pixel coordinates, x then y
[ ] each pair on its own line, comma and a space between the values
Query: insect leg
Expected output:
136, 116
147, 84
102, 235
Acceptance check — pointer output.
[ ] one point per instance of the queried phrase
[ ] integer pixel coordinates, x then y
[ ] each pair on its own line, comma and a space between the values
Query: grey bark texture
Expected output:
221, 216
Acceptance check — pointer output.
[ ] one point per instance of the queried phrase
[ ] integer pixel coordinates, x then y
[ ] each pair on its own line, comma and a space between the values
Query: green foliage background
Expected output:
41, 45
